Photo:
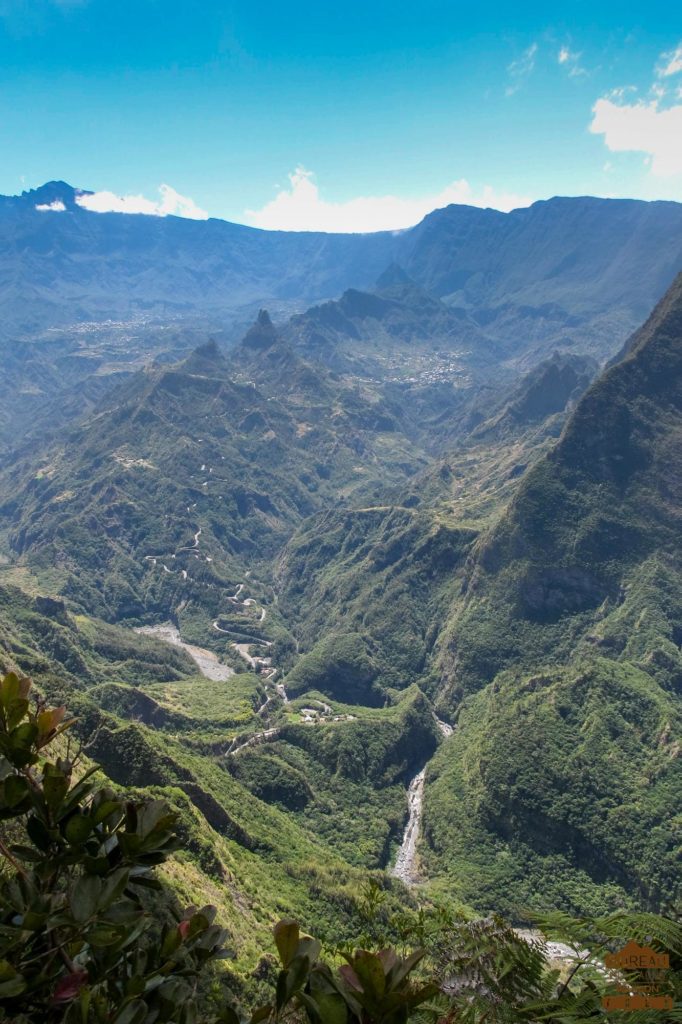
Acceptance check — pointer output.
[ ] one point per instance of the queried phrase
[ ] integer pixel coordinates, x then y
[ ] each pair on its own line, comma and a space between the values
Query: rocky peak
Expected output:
392, 276
52, 194
262, 335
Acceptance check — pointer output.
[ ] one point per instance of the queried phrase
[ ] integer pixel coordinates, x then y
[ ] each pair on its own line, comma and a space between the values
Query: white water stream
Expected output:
404, 867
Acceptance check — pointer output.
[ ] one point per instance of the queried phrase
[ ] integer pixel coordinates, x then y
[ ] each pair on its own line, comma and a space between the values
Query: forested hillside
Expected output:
562, 657
372, 592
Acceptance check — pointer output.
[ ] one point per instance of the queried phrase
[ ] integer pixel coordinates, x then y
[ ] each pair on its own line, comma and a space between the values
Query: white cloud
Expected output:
301, 207
672, 63
57, 206
644, 128
570, 60
171, 203
520, 68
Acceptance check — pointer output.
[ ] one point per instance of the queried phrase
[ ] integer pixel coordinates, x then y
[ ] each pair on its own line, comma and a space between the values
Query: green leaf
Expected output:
84, 897
16, 712
25, 853
328, 1007
261, 1014
11, 982
286, 939
13, 689
292, 980
153, 818
78, 829
101, 936
402, 968
106, 808
9, 689
38, 833
370, 971
14, 790
48, 721
132, 1013
21, 742
32, 921
55, 787
14, 987
113, 887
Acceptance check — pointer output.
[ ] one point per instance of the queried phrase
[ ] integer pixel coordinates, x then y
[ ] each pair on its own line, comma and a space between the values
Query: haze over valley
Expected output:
354, 555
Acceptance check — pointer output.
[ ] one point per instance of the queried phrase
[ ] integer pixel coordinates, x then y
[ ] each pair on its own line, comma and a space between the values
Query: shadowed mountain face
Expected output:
562, 660
567, 272
591, 523
73, 265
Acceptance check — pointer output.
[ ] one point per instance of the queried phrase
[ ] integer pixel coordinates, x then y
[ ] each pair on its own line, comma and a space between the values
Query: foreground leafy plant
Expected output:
370, 988
76, 942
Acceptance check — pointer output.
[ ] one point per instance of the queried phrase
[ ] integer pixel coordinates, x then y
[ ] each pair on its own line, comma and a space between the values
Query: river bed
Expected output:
207, 661
404, 867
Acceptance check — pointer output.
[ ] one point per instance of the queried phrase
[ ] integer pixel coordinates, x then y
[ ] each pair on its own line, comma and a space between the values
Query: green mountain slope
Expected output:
153, 723
354, 555
590, 522
232, 462
559, 789
562, 783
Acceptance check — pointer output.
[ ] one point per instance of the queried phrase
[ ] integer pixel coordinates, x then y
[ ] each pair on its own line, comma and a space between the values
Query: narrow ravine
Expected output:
404, 867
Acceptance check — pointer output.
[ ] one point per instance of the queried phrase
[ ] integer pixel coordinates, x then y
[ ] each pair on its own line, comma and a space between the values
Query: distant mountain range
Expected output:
571, 273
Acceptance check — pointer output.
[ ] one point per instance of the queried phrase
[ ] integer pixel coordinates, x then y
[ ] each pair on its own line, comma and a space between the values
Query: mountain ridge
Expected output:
563, 272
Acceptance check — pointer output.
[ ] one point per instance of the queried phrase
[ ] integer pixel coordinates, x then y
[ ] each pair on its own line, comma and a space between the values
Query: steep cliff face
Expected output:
587, 520
562, 662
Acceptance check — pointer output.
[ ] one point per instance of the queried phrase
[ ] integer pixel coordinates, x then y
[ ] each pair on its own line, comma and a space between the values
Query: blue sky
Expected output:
340, 115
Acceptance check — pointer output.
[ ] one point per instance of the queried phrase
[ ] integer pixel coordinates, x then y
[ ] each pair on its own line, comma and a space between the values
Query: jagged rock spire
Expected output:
263, 334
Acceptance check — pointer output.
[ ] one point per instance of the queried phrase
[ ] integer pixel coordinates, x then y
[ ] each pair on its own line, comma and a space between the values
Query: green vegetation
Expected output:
339, 666
559, 789
385, 576
80, 943
363, 561
76, 941
561, 786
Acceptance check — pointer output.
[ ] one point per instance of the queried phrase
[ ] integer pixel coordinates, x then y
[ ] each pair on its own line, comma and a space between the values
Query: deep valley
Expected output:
369, 566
